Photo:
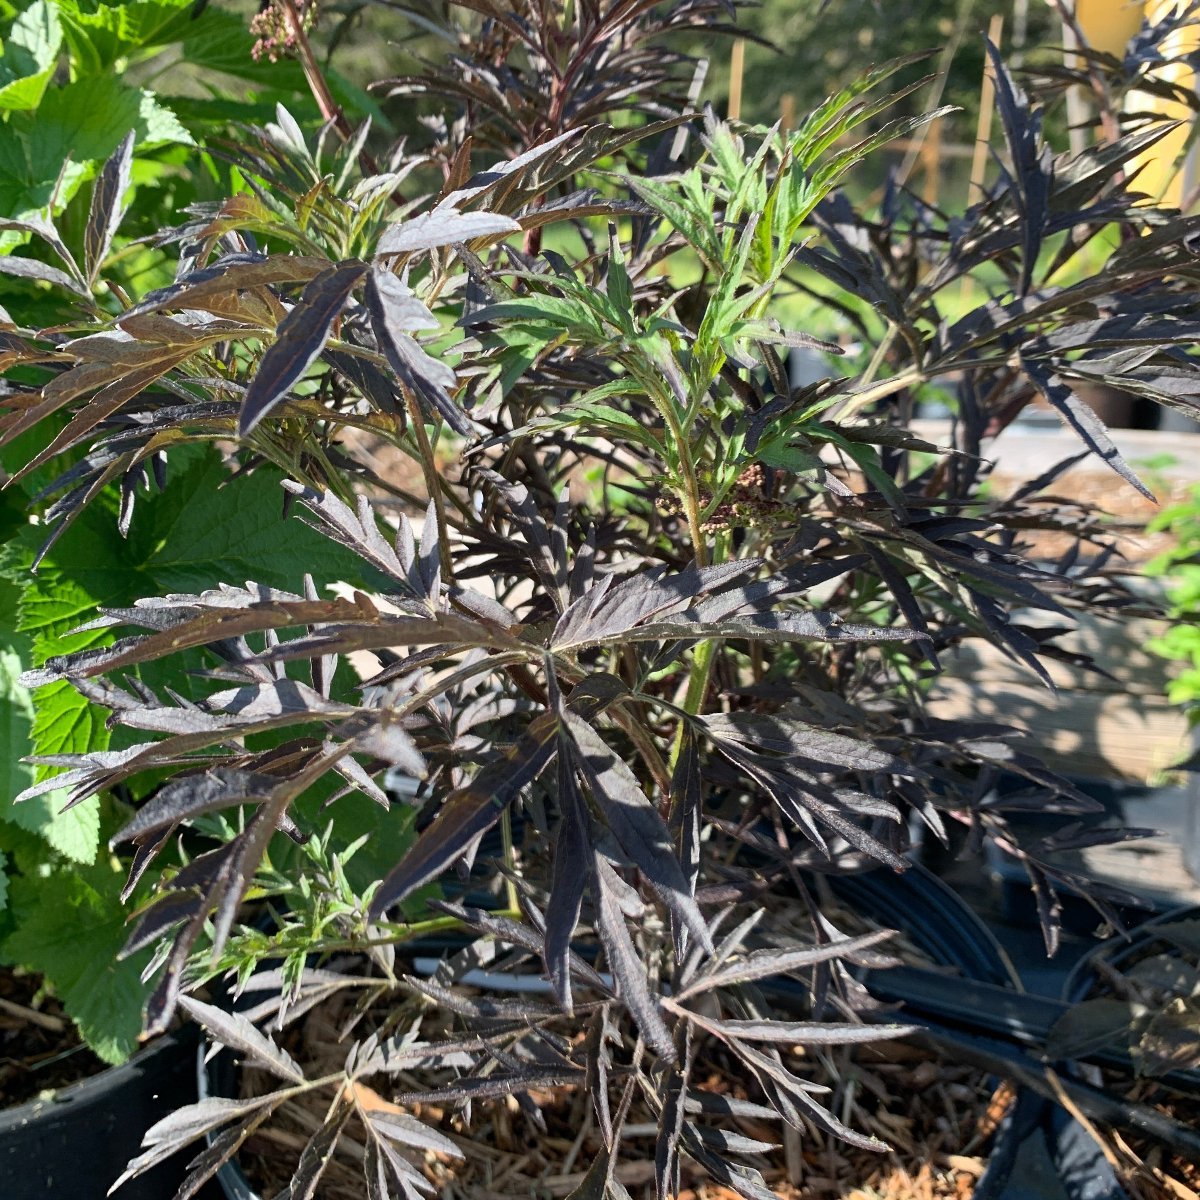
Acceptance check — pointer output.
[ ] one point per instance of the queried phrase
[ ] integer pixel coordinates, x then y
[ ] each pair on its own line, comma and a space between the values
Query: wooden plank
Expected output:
987, 108
737, 71
931, 164
1090, 734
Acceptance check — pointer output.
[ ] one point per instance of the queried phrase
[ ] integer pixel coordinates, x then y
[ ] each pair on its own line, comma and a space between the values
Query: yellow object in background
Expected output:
1108, 25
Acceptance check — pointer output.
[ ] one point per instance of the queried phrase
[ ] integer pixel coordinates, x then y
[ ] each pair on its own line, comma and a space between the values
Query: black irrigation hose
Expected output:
1004, 1059
967, 1006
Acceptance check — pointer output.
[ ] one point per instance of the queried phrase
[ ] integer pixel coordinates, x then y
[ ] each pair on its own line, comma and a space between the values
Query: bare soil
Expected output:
40, 1048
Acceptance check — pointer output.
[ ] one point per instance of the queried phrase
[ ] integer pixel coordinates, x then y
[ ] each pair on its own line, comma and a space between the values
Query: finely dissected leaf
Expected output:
1031, 162
234, 1031
491, 1087
493, 176
572, 855
787, 736
635, 823
395, 315
222, 787
217, 1153
442, 227
184, 1125
809, 1033
316, 1157
597, 1182
1083, 420
218, 624
387, 1121
299, 340
246, 270
745, 1181
617, 610
31, 268
791, 1097
469, 813
107, 209
762, 964
623, 960
807, 800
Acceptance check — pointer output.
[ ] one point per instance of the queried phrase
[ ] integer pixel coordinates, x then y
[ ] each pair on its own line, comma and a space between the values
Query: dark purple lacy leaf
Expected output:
443, 227
1032, 162
31, 268
1083, 420
809, 1033
316, 1157
184, 1125
792, 1098
395, 314
192, 795
624, 962
635, 823
107, 206
762, 964
233, 1030
491, 1087
468, 813
572, 855
299, 340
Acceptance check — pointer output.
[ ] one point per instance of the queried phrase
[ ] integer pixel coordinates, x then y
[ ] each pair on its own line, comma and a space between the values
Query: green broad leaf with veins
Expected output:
70, 927
74, 834
28, 57
46, 155
100, 34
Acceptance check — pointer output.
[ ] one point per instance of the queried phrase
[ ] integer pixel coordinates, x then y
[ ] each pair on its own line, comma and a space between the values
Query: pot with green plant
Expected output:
605, 572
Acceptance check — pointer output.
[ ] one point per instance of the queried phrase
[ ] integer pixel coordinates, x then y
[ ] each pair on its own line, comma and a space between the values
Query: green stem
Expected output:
405, 933
703, 658
510, 859
689, 494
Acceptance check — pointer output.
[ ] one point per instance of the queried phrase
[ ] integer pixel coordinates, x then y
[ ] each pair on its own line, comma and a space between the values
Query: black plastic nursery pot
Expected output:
925, 909
75, 1143
1070, 1144
940, 924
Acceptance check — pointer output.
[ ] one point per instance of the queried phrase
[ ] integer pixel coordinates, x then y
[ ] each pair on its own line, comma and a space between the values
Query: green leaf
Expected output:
100, 34
28, 57
3, 882
75, 127
61, 710
70, 927
238, 533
